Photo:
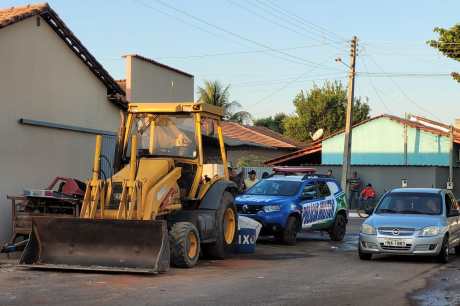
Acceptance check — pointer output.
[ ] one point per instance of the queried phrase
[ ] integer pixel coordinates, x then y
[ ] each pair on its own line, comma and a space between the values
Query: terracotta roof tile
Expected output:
237, 131
17, 13
266, 131
122, 84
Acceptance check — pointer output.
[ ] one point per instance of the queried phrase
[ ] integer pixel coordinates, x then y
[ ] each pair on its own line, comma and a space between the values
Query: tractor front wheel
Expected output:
226, 229
185, 244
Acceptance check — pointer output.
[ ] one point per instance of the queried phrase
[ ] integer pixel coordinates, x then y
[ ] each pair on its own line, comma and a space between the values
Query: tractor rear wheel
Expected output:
226, 229
185, 244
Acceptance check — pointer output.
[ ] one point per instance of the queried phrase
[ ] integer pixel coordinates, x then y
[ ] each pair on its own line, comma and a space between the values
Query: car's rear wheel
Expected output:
338, 230
443, 256
289, 234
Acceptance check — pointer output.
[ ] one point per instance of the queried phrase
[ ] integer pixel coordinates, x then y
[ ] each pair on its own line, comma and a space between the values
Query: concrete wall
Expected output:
42, 79
147, 82
387, 177
381, 142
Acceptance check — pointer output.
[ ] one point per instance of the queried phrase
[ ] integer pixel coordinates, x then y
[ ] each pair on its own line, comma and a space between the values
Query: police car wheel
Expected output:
337, 232
289, 234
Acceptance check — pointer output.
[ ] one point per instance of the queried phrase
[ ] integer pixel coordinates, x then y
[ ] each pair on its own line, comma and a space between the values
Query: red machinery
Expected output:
62, 198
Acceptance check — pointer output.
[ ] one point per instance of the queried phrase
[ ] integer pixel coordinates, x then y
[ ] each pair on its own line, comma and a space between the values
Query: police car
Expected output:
295, 199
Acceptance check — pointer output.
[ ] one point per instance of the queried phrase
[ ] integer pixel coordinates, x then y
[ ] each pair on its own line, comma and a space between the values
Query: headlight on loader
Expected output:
368, 229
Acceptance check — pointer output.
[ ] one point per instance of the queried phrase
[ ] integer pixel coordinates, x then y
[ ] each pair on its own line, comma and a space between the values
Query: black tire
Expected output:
289, 234
185, 251
339, 228
443, 256
364, 256
221, 249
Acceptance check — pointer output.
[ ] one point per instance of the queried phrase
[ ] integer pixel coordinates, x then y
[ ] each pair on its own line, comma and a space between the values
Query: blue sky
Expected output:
391, 34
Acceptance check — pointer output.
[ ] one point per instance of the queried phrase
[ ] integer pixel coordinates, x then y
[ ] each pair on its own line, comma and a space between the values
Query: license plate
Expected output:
394, 243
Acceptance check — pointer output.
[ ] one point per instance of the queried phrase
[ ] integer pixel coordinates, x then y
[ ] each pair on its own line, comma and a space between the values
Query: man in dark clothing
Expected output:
237, 178
355, 188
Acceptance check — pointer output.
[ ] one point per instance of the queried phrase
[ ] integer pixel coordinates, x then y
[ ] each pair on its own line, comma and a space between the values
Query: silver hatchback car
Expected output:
412, 221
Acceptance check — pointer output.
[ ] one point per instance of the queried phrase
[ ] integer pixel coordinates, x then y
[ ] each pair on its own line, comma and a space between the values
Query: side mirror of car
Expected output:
454, 213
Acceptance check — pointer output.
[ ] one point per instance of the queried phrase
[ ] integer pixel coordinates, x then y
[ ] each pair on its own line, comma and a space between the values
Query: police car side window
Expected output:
310, 192
324, 190
333, 187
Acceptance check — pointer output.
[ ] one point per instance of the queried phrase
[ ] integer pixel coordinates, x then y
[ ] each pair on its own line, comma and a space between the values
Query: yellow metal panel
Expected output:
199, 170
222, 148
174, 107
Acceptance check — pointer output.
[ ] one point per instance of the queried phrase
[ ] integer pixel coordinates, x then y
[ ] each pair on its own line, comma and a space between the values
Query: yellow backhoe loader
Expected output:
157, 208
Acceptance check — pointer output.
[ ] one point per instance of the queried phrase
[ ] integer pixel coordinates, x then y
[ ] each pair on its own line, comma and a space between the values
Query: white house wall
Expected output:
147, 82
42, 79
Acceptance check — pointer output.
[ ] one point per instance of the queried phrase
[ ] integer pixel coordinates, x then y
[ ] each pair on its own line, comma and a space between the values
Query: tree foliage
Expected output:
274, 123
213, 92
448, 43
322, 107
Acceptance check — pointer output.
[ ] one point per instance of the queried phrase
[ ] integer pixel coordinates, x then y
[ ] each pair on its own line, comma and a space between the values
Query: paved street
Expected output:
315, 272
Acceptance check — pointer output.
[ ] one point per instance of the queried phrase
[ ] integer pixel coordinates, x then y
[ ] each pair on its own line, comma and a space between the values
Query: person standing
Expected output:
237, 178
355, 188
329, 173
251, 180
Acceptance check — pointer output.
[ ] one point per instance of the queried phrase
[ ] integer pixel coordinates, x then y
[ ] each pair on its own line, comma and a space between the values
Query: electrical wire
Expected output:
278, 90
402, 90
239, 52
302, 20
371, 82
285, 55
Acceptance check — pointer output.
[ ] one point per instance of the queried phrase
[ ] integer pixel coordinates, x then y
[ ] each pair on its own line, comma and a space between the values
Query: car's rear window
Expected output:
410, 203
275, 188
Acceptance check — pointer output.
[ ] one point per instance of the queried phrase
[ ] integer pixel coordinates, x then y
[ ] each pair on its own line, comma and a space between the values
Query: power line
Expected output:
403, 92
282, 87
293, 26
286, 56
239, 52
396, 74
315, 27
375, 89
272, 21
273, 82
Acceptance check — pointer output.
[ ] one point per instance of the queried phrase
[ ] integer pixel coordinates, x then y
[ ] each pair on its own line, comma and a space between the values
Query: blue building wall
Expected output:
381, 142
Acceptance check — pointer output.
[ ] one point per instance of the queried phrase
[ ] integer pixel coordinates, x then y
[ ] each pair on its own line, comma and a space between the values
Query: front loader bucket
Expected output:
97, 245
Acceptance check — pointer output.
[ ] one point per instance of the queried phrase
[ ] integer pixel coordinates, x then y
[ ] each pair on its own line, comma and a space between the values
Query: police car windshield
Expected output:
275, 188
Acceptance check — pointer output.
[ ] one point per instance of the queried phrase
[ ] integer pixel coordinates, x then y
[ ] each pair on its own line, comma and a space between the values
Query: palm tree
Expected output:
216, 94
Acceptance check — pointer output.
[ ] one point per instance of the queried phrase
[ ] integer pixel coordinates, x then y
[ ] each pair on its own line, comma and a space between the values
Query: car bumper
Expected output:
375, 244
271, 222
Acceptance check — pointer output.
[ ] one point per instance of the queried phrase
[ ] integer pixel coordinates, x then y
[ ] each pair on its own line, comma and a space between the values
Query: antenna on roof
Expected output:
317, 135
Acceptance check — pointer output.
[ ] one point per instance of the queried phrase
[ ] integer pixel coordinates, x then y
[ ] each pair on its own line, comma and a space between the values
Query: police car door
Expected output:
319, 208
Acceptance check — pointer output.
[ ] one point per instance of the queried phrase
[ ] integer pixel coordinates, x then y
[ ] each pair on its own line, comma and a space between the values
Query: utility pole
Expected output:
406, 117
349, 117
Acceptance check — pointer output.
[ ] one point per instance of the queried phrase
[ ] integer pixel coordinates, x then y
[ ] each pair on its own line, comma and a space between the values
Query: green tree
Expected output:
216, 94
274, 123
322, 107
448, 43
